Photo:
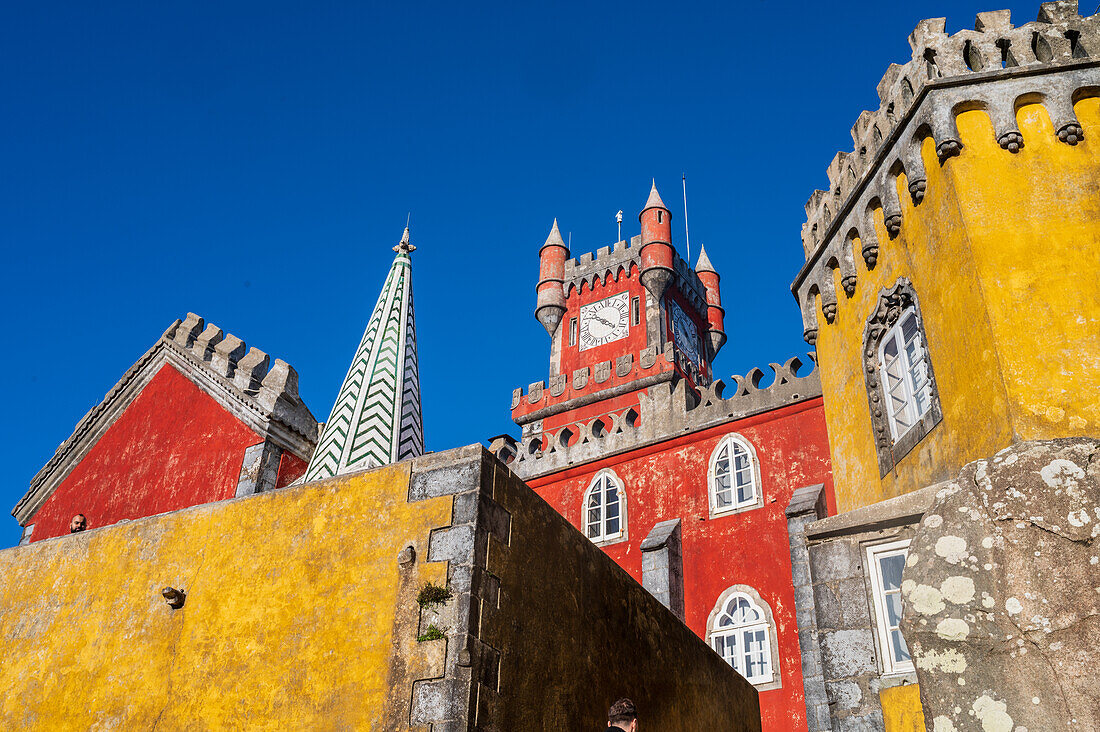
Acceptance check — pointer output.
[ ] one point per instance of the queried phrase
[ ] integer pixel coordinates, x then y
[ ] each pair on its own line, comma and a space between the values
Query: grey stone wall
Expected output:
835, 607
808, 505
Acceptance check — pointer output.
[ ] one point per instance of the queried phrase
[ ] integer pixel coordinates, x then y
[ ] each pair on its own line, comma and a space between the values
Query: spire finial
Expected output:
403, 246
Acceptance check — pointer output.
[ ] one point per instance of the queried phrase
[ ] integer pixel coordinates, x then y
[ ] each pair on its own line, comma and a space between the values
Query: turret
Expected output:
657, 254
550, 306
715, 313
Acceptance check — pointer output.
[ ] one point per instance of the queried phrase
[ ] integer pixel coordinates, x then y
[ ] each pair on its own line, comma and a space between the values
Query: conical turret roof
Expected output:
555, 238
704, 265
377, 419
654, 200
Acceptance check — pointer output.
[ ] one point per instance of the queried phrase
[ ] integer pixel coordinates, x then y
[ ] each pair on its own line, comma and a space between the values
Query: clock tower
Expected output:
630, 316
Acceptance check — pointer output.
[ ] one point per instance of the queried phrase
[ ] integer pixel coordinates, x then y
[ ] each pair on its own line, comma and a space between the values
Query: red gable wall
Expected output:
173, 447
669, 480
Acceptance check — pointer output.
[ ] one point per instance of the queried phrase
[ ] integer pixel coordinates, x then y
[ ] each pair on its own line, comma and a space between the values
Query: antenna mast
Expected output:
687, 237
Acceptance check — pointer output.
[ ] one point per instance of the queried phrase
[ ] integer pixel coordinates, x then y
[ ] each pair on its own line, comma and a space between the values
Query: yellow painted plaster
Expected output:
1004, 254
292, 601
901, 709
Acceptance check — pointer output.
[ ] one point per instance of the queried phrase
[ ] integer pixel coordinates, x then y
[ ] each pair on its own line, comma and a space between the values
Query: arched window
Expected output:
740, 631
905, 383
605, 508
901, 387
733, 476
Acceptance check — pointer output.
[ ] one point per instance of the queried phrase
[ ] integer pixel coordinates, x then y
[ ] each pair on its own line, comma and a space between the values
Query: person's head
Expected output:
623, 714
79, 523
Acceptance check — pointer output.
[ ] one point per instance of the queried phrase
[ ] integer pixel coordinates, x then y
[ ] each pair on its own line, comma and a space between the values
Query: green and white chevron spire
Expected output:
376, 419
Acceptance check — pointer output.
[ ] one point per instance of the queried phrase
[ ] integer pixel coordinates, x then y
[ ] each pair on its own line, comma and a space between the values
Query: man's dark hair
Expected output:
622, 711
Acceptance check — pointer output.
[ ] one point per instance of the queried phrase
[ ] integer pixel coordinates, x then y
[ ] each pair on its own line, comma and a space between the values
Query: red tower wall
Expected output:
572, 357
669, 480
174, 446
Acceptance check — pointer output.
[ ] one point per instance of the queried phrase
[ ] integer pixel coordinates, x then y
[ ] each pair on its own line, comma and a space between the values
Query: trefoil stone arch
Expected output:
741, 630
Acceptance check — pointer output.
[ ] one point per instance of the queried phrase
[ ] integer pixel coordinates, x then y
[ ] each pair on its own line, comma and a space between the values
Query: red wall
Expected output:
572, 357
291, 468
669, 480
173, 447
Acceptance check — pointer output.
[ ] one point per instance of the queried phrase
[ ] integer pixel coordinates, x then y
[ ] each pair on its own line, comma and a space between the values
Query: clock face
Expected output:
605, 321
684, 332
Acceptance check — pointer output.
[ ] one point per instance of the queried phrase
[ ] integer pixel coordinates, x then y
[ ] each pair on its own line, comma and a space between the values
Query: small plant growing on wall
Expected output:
433, 633
432, 595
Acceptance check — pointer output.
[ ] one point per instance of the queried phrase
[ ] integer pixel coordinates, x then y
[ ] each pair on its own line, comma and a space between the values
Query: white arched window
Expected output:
904, 364
740, 631
733, 476
605, 508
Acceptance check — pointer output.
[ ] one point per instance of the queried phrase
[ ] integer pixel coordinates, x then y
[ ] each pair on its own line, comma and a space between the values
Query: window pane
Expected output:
891, 568
755, 653
890, 349
893, 609
909, 326
613, 510
901, 651
745, 492
723, 495
612, 526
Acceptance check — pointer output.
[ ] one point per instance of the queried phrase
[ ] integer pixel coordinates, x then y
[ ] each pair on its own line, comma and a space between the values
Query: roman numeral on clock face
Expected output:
605, 321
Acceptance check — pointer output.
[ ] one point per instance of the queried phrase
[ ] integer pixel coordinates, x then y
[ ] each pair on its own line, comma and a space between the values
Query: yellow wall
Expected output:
901, 710
1003, 255
288, 624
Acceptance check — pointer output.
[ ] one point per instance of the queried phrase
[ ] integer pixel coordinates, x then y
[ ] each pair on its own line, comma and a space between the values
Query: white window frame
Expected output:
757, 498
716, 631
603, 536
910, 388
883, 630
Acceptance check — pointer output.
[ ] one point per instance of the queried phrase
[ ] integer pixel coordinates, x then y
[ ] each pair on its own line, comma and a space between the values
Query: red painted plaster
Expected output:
291, 468
572, 357
174, 446
669, 480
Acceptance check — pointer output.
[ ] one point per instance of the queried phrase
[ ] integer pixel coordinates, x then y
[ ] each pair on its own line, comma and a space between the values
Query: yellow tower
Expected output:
951, 291
971, 202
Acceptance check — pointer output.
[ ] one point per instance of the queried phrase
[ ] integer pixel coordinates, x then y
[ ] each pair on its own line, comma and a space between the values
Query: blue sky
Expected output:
254, 163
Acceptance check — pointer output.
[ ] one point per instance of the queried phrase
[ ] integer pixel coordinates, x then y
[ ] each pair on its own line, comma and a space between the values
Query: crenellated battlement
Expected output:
260, 391
996, 68
627, 373
273, 384
665, 410
617, 260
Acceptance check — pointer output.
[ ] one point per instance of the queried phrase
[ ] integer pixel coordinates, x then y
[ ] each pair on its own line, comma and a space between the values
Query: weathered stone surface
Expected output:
847, 653
1002, 592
